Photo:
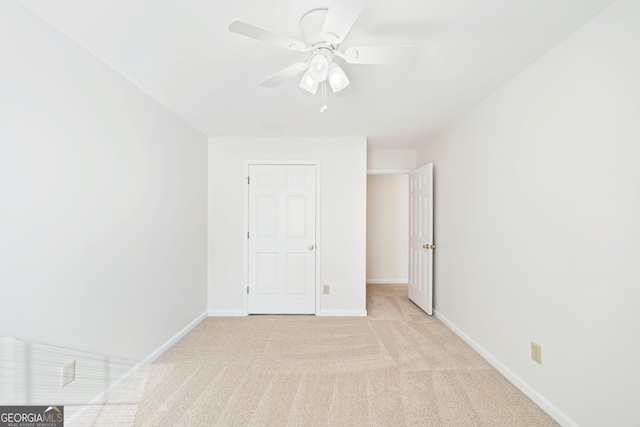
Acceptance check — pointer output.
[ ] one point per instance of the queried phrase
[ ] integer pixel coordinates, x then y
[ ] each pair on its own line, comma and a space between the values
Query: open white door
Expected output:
421, 237
282, 239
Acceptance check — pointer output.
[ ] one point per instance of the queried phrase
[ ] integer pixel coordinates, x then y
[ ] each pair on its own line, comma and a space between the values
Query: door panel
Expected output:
296, 180
266, 266
421, 237
296, 216
296, 265
266, 211
282, 227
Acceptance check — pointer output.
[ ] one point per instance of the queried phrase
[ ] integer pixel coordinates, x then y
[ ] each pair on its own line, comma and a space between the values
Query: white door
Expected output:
421, 237
282, 228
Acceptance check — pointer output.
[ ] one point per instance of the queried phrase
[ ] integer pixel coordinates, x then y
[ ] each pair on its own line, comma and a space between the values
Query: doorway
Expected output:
388, 229
400, 232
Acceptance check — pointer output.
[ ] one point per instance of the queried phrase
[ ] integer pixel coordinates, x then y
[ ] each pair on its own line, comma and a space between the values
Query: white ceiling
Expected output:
180, 53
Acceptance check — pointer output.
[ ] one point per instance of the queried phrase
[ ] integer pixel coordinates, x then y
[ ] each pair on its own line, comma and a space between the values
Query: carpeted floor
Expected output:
397, 367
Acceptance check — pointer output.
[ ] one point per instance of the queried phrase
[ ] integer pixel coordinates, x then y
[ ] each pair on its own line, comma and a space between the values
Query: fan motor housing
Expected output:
311, 29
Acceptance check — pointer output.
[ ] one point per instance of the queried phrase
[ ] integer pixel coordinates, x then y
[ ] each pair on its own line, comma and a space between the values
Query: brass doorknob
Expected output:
425, 246
433, 246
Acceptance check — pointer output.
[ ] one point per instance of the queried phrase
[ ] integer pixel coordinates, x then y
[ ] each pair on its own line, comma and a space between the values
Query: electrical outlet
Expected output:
67, 373
325, 289
536, 352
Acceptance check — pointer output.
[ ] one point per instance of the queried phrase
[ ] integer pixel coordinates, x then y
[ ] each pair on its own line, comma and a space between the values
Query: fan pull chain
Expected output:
324, 97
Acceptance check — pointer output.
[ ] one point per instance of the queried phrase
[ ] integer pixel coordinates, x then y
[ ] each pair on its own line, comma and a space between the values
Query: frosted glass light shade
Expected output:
337, 78
319, 68
309, 84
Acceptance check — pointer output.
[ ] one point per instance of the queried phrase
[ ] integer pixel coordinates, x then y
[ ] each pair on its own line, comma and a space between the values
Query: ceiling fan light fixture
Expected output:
319, 67
309, 84
337, 78
323, 30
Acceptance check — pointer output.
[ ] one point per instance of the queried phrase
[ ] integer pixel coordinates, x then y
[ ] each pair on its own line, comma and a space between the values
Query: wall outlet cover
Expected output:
536, 352
67, 373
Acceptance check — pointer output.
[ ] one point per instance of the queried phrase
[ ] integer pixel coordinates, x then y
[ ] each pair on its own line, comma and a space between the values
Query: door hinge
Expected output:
247, 234
247, 180
247, 290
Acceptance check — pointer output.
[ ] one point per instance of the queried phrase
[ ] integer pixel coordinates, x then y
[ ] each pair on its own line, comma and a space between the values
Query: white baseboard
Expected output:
387, 282
110, 391
343, 313
562, 418
174, 339
242, 313
227, 313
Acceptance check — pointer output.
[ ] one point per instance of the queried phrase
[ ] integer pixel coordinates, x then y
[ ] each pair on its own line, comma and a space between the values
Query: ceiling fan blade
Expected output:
340, 18
287, 73
379, 55
257, 33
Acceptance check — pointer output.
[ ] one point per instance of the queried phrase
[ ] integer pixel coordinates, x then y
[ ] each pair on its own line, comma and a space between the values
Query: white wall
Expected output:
380, 158
388, 228
103, 201
537, 222
342, 242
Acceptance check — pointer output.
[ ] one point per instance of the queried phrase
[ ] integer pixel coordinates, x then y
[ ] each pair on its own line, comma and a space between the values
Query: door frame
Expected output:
318, 248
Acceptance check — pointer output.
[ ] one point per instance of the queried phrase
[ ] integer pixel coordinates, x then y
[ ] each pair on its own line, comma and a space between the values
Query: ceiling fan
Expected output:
322, 31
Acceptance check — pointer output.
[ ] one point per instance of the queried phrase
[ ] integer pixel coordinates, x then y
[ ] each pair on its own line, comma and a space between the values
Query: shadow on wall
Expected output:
34, 374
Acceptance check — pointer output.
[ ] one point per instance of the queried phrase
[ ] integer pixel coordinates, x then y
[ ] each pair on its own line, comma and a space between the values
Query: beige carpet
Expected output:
397, 367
